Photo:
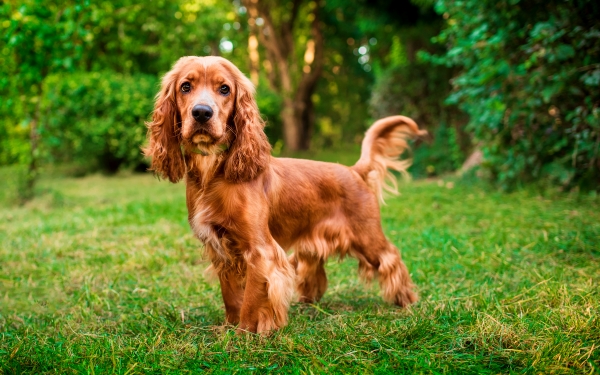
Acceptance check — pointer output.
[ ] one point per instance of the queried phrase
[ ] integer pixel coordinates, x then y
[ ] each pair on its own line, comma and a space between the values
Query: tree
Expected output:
41, 37
291, 33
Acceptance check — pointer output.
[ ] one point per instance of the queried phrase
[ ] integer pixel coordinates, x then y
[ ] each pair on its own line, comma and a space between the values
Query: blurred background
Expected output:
512, 87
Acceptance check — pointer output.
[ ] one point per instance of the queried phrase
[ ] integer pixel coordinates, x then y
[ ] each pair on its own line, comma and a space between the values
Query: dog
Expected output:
249, 208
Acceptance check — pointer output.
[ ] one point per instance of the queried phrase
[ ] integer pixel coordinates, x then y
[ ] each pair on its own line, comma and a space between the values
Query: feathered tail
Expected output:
384, 143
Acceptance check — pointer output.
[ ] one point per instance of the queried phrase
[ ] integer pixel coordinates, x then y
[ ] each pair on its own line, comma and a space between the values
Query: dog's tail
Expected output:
384, 143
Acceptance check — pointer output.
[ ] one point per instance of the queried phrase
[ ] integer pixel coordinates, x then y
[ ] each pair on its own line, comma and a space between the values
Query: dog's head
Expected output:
206, 106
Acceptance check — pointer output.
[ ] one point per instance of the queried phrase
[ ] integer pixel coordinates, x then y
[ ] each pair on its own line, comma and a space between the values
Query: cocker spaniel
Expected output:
249, 208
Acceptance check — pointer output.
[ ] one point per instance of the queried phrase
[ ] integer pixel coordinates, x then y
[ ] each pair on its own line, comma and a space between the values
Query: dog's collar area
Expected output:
220, 149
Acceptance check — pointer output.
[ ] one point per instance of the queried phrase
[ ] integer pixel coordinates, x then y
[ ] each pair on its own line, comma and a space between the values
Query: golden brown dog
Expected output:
248, 208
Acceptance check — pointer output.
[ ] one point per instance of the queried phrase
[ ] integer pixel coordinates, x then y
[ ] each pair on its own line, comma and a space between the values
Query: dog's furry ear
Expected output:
164, 133
250, 151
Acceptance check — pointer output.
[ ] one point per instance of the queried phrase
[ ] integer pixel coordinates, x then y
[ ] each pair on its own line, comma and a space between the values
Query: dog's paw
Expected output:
262, 323
405, 297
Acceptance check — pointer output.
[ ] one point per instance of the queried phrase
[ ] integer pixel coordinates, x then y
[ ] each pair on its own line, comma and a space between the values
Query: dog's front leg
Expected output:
232, 290
269, 289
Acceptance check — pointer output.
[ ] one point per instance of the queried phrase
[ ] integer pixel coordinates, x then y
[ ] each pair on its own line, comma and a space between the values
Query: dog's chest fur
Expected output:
206, 230
219, 244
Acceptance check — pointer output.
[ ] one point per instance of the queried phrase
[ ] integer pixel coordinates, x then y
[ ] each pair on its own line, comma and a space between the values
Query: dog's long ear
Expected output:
250, 151
164, 132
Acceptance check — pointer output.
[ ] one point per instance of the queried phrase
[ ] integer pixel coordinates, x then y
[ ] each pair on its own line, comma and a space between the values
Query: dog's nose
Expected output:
202, 113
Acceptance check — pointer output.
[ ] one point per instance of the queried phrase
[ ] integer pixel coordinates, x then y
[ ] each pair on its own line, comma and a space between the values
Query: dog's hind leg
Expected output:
394, 278
378, 256
311, 280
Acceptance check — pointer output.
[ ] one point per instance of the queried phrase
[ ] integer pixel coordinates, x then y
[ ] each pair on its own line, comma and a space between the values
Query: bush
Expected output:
14, 141
96, 120
439, 155
14, 125
530, 84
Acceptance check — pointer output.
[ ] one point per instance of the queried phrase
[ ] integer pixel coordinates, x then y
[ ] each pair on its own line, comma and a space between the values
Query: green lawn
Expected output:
102, 275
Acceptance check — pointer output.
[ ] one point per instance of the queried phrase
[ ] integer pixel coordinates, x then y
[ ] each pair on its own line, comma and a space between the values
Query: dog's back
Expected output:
310, 199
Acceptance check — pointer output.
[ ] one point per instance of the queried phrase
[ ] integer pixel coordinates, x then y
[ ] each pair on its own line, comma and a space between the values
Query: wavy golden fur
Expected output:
249, 208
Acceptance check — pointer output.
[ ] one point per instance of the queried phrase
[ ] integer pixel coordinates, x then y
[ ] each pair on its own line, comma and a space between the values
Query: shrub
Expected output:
96, 120
530, 84
439, 155
14, 124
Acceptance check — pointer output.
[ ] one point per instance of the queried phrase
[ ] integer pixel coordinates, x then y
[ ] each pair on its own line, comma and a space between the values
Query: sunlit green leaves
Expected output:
96, 120
529, 84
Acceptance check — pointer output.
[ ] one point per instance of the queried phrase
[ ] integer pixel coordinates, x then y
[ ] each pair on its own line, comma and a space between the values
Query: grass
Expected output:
102, 275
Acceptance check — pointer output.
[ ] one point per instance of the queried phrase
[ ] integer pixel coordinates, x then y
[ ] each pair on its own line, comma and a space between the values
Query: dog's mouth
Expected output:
205, 137
206, 144
202, 138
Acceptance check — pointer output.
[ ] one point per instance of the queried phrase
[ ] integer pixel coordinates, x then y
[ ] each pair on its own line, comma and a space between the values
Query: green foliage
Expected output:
397, 91
14, 132
439, 154
361, 41
530, 85
341, 98
104, 275
269, 104
96, 120
412, 88
39, 37
132, 36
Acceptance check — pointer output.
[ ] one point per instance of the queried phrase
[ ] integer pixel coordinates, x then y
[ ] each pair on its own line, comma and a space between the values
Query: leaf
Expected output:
591, 78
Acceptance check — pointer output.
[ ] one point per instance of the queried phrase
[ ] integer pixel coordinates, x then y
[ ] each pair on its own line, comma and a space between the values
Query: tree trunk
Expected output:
298, 118
308, 124
292, 124
295, 85
27, 193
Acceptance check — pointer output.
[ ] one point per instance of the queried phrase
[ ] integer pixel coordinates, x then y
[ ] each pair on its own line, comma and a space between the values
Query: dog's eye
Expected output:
186, 87
224, 90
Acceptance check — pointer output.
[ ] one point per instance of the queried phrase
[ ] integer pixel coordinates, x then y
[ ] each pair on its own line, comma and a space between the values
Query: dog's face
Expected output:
205, 92
206, 104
